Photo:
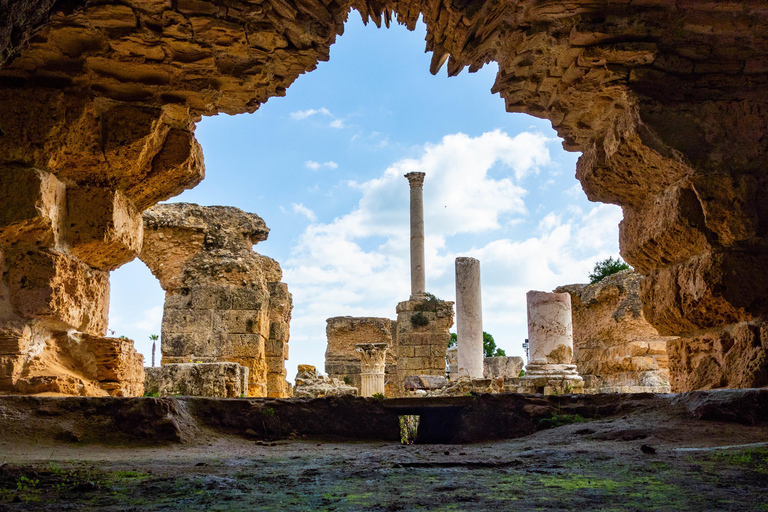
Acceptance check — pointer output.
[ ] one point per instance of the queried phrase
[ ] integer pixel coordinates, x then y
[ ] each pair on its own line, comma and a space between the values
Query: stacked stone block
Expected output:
222, 380
422, 338
342, 362
615, 348
224, 302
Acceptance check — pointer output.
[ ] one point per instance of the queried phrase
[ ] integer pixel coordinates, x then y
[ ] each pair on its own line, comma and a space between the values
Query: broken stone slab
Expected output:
428, 382
309, 384
221, 380
507, 367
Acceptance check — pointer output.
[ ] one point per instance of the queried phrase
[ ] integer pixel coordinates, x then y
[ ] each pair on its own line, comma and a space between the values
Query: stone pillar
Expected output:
469, 318
418, 280
372, 364
550, 334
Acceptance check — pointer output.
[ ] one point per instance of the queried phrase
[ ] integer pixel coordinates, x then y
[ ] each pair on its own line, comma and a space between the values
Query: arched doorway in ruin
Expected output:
669, 121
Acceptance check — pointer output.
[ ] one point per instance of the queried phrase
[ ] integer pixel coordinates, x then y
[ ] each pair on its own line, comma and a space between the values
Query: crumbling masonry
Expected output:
666, 99
223, 301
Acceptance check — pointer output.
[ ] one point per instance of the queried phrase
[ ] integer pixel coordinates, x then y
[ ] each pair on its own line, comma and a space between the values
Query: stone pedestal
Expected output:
418, 279
372, 363
422, 338
469, 318
550, 335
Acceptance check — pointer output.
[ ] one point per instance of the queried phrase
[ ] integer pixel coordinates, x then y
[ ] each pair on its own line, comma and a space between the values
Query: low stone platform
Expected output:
152, 421
222, 380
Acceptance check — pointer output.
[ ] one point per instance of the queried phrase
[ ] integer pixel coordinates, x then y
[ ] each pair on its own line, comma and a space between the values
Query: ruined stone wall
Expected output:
667, 100
343, 362
422, 338
223, 380
224, 302
615, 348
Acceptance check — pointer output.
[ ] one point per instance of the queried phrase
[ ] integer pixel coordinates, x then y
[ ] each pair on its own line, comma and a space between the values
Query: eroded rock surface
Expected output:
615, 348
223, 380
310, 384
224, 302
666, 99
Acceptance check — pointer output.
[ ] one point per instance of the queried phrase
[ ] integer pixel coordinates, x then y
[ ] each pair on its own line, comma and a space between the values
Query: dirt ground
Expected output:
645, 461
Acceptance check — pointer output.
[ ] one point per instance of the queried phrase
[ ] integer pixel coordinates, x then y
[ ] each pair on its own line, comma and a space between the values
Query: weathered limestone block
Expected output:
615, 348
104, 228
33, 208
311, 385
660, 96
343, 333
709, 290
58, 289
426, 382
222, 380
465, 386
735, 356
119, 368
224, 302
506, 367
422, 338
72, 364
452, 362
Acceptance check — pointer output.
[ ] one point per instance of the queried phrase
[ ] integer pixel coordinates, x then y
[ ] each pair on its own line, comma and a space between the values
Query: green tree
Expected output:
489, 345
606, 268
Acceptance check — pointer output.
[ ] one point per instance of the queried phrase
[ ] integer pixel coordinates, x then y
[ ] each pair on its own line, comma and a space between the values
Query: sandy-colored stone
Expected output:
422, 338
311, 385
343, 333
663, 98
220, 304
223, 380
507, 367
615, 348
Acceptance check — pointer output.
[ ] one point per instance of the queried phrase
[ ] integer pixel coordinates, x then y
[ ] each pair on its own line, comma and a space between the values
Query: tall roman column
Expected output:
418, 281
372, 367
469, 318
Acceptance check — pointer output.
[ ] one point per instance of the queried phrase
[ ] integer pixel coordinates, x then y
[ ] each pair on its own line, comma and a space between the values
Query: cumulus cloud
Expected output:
474, 196
303, 210
316, 166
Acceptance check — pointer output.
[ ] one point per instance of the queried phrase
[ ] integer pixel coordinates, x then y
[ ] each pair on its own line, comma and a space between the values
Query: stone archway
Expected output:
666, 100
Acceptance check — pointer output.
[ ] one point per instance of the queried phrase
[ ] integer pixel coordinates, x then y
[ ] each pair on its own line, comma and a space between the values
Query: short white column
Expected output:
418, 279
469, 318
373, 358
550, 328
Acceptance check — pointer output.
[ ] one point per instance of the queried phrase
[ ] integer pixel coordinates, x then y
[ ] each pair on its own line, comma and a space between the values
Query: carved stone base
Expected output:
551, 379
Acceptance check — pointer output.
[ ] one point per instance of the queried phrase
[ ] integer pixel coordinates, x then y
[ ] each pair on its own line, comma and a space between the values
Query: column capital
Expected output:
415, 179
372, 356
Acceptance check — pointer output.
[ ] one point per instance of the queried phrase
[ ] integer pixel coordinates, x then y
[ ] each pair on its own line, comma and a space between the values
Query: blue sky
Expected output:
324, 167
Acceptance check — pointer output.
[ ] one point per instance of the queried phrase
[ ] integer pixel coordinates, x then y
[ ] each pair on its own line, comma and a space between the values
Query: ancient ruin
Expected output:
309, 384
223, 301
372, 363
344, 333
469, 319
550, 333
666, 101
615, 348
223, 380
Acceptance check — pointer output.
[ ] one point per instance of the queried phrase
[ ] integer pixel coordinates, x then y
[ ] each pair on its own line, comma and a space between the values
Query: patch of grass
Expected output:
558, 420
755, 459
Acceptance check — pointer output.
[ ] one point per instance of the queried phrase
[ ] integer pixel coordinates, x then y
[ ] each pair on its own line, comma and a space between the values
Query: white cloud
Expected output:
303, 210
316, 166
303, 114
336, 122
358, 264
